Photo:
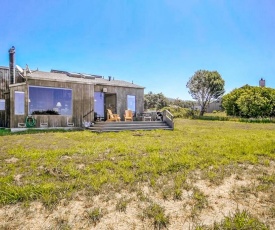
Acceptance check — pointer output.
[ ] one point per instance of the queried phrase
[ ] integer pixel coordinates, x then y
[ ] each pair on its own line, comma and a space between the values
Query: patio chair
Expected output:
112, 116
128, 115
146, 117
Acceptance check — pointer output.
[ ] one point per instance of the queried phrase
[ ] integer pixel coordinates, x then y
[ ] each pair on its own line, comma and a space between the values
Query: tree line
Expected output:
208, 86
158, 101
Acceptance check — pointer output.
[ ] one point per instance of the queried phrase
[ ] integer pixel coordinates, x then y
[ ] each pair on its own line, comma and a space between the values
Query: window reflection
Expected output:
44, 99
131, 103
2, 104
99, 104
19, 103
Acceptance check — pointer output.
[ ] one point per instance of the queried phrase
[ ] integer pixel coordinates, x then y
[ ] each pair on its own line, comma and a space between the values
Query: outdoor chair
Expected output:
146, 117
111, 116
128, 115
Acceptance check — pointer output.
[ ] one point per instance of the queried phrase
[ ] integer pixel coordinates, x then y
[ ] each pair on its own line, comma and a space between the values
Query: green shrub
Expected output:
211, 118
179, 112
257, 120
45, 112
250, 101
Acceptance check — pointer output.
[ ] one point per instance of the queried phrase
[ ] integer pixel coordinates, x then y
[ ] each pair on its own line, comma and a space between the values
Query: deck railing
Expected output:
168, 118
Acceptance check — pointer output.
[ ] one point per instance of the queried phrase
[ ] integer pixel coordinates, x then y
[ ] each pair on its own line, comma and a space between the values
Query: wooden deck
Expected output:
134, 125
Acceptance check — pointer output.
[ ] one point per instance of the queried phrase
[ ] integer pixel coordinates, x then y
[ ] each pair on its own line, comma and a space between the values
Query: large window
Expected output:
19, 103
43, 99
131, 103
2, 104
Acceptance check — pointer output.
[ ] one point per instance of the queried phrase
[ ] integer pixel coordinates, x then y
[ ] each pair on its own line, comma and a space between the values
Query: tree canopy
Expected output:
205, 86
250, 101
183, 104
155, 101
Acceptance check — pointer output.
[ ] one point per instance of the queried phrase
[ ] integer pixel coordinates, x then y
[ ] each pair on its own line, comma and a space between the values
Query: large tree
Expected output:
205, 87
250, 101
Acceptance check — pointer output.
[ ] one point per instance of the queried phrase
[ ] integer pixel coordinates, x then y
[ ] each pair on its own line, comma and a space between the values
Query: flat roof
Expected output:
64, 77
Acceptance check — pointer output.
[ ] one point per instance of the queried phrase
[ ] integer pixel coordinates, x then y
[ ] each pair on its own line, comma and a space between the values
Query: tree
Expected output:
250, 101
229, 101
182, 103
155, 101
205, 87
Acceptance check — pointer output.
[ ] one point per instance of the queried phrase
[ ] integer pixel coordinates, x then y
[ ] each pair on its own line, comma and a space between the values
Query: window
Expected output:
19, 103
131, 103
44, 99
99, 104
2, 104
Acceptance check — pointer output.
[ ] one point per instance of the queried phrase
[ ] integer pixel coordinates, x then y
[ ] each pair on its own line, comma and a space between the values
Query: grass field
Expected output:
144, 179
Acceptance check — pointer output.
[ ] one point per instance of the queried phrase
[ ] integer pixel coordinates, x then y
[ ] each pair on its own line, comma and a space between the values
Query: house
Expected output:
214, 106
59, 98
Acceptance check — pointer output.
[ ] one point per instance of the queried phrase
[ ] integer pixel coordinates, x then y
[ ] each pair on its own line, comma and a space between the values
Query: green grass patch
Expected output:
211, 118
240, 220
257, 120
7, 131
157, 214
52, 166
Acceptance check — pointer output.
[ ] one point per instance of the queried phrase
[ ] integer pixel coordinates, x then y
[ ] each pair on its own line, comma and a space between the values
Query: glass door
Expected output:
99, 106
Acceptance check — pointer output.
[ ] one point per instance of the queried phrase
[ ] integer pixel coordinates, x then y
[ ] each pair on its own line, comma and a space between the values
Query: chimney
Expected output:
110, 78
262, 83
12, 64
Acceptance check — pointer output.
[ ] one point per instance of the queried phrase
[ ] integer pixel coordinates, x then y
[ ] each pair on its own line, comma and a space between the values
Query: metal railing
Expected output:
168, 118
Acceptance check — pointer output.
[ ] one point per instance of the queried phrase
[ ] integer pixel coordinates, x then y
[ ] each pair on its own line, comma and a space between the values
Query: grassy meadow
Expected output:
55, 166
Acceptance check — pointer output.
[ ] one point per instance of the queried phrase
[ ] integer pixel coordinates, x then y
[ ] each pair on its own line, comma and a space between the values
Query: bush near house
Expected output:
179, 112
45, 112
250, 101
155, 101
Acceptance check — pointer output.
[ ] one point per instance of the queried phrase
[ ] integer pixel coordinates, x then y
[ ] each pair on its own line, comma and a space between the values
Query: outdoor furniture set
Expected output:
128, 116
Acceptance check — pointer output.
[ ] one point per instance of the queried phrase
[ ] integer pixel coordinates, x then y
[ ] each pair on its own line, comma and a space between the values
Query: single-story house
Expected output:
61, 98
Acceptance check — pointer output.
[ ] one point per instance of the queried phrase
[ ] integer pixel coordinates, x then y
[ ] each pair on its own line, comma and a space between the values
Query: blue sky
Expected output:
158, 44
